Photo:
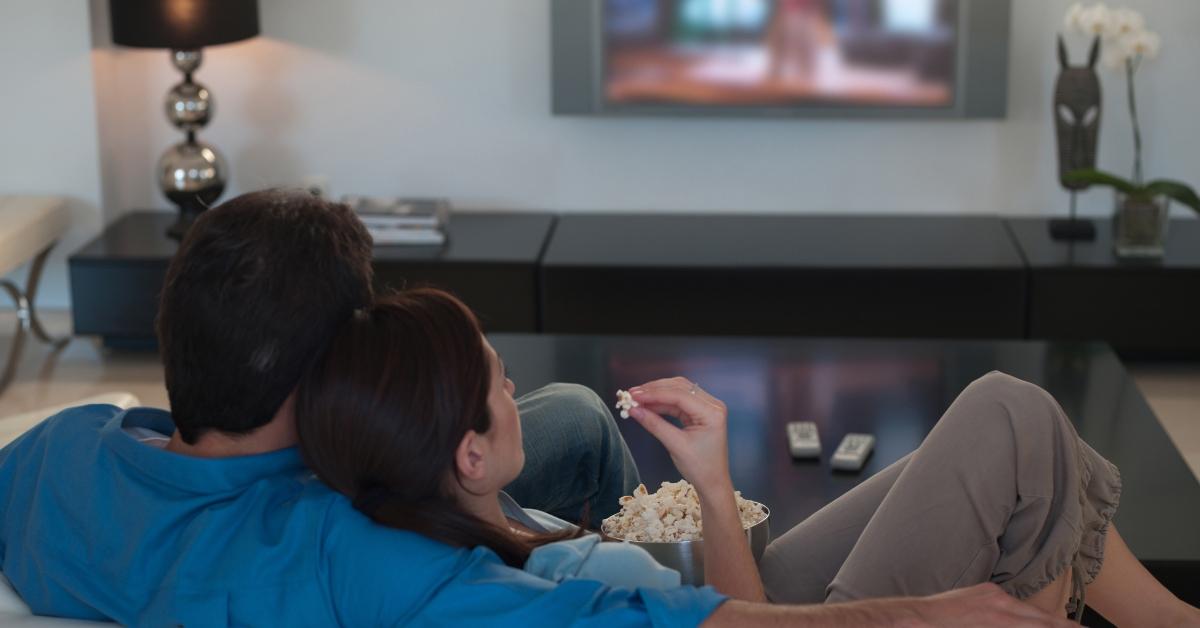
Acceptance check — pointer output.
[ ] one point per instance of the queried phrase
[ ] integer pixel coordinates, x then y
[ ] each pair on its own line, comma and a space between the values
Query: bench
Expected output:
29, 228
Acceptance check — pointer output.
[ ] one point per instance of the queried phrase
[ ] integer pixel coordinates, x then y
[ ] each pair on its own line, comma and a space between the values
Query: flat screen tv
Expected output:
840, 58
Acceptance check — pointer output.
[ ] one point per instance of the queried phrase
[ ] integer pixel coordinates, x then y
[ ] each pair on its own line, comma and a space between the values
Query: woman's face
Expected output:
505, 433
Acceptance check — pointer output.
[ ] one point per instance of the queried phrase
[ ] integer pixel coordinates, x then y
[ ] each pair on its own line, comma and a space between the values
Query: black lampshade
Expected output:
182, 24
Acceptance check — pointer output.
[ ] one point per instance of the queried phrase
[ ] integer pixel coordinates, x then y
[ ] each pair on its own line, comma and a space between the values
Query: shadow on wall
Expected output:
128, 111
270, 103
270, 158
294, 20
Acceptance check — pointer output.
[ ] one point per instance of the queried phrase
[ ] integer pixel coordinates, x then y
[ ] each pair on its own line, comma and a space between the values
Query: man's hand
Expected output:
980, 606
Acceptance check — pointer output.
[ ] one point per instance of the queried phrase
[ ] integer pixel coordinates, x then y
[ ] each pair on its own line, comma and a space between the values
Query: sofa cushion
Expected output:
30, 224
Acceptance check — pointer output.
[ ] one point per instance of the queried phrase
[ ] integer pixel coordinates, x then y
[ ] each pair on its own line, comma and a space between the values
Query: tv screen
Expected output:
780, 52
932, 58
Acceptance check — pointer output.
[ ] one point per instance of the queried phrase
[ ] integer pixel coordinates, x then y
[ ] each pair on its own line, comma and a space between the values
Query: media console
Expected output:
740, 275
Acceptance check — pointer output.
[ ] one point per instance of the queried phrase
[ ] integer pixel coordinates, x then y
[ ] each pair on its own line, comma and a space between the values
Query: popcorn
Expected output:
625, 403
670, 514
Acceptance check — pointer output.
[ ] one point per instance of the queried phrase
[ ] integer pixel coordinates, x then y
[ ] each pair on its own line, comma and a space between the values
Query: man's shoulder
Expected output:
349, 532
82, 419
75, 425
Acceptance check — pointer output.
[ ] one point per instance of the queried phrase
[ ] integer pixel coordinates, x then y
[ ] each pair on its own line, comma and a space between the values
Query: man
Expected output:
206, 515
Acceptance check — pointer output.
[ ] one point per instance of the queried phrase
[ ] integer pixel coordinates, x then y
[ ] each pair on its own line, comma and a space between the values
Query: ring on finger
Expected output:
694, 388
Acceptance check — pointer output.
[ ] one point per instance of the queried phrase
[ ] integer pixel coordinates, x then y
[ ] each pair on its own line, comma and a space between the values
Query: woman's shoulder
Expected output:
616, 564
535, 519
587, 557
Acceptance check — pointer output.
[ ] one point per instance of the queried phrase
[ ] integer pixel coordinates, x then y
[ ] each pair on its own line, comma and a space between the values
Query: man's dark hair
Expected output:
258, 288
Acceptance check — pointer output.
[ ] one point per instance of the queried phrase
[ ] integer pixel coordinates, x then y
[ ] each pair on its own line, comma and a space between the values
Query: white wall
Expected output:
48, 141
452, 98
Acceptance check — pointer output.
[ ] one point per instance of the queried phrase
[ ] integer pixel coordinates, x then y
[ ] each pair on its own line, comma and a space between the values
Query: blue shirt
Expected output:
95, 525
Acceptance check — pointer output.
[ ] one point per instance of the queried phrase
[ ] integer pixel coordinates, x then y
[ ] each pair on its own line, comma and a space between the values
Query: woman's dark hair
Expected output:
258, 287
381, 414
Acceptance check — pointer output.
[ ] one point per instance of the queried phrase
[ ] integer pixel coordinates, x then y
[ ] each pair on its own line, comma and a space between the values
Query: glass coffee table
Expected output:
895, 390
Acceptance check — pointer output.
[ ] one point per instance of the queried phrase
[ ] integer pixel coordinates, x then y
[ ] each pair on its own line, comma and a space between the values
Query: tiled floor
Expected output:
80, 370
1174, 393
83, 369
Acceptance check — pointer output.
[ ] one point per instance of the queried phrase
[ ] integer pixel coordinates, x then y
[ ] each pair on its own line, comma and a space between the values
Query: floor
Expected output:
84, 369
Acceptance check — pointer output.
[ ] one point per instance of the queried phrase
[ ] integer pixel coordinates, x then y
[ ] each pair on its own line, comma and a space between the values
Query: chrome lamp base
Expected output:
192, 174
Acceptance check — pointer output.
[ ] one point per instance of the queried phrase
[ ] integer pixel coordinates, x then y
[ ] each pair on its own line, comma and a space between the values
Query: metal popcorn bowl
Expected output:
687, 557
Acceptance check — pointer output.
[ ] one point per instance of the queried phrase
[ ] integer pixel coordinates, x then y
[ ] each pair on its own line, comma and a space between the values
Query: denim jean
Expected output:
575, 458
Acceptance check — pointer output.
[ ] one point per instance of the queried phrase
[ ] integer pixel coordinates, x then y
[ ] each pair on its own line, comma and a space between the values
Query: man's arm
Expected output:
7, 478
983, 606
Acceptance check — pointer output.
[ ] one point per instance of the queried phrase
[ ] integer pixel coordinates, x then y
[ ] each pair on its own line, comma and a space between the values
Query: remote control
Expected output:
802, 439
852, 454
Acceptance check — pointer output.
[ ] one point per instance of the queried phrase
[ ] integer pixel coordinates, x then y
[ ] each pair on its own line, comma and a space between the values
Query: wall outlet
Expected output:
316, 184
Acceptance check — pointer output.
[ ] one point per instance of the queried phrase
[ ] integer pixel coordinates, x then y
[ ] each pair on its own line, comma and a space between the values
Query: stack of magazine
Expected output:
421, 221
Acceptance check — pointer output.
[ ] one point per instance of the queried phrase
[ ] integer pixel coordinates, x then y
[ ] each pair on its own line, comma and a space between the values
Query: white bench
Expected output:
29, 227
14, 613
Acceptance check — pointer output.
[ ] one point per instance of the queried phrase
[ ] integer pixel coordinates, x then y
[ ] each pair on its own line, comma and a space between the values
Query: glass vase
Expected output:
1140, 226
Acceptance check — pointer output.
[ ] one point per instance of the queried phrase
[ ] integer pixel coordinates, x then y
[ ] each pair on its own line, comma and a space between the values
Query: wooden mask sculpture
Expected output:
1077, 114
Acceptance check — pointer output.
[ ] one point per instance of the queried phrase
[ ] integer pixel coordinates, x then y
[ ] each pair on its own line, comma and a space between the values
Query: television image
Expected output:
932, 58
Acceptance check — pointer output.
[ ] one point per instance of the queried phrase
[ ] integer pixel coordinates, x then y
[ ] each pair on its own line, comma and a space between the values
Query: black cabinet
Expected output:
116, 280
863, 276
1083, 291
490, 261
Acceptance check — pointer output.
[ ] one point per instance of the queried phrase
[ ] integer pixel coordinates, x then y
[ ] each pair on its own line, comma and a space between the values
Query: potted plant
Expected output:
1140, 221
1140, 224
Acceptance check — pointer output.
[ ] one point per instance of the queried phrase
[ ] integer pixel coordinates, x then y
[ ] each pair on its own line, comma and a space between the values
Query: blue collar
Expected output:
188, 473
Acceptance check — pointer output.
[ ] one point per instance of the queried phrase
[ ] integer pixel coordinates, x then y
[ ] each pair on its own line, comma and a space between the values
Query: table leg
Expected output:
31, 288
27, 320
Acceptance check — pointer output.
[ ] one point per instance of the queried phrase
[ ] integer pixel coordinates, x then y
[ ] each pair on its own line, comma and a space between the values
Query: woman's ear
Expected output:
470, 457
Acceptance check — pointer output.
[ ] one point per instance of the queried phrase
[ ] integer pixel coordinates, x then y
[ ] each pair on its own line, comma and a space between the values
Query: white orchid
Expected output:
1114, 58
1123, 31
1071, 22
1140, 43
1125, 22
1096, 20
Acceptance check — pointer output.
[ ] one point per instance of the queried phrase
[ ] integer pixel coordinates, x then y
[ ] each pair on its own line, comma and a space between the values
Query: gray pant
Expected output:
1002, 490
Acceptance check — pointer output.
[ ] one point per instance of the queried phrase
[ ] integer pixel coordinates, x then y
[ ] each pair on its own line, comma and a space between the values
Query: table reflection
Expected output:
896, 390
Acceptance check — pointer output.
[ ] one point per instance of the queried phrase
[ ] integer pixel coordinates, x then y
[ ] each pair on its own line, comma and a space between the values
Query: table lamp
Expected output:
192, 174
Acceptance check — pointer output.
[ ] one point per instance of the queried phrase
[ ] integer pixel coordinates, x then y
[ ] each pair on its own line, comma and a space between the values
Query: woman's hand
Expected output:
700, 450
701, 453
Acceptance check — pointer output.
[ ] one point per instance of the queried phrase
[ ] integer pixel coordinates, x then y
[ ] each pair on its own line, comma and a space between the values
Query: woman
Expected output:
410, 415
